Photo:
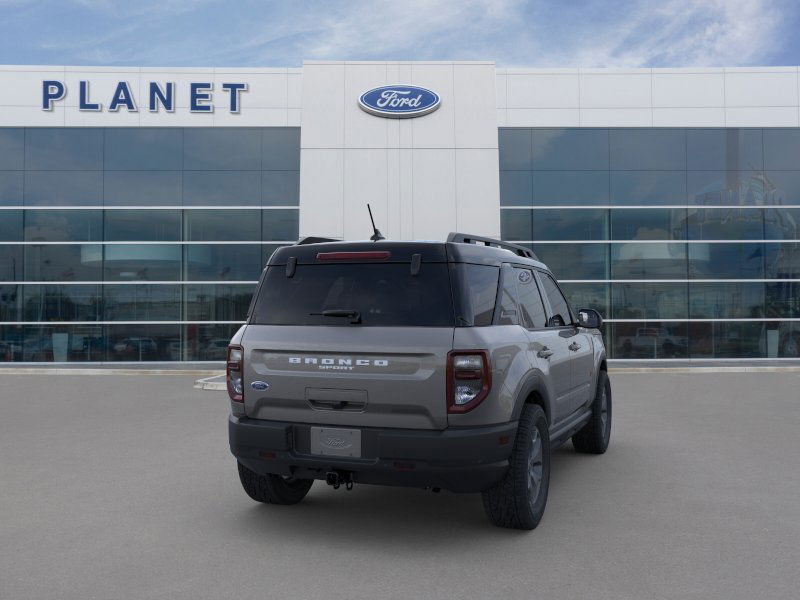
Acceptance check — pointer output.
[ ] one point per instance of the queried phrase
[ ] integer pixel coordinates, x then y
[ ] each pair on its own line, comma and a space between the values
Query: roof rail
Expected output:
315, 240
466, 238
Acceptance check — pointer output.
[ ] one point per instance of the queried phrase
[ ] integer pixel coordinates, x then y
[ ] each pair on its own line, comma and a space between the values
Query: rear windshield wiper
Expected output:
353, 315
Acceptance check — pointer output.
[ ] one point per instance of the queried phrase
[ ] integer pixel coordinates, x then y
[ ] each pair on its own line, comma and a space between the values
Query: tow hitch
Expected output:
338, 478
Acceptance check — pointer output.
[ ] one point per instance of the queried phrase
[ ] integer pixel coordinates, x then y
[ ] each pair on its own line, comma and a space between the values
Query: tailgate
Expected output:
350, 376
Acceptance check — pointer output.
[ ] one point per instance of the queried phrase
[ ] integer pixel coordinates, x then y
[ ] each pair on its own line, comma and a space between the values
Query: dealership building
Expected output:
138, 206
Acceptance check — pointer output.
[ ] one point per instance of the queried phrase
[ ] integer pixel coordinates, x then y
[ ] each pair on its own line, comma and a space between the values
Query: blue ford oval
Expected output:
399, 101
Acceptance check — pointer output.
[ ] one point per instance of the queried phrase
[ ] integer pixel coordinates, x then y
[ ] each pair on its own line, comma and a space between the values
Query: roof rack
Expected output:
466, 238
315, 240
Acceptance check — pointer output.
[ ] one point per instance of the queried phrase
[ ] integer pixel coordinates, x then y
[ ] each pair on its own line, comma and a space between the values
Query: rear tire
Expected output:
595, 435
518, 500
273, 489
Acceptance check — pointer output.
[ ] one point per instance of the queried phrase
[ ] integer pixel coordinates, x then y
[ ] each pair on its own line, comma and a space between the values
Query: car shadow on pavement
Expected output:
371, 514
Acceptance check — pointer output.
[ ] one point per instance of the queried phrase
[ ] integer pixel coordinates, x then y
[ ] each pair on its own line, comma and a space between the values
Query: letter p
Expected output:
51, 91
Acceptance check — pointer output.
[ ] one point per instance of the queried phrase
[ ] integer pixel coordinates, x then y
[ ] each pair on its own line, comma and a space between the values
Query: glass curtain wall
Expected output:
685, 240
138, 244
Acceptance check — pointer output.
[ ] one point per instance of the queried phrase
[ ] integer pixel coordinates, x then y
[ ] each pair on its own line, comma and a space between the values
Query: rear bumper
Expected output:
457, 459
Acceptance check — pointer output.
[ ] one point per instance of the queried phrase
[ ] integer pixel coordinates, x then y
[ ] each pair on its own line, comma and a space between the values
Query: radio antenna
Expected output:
376, 236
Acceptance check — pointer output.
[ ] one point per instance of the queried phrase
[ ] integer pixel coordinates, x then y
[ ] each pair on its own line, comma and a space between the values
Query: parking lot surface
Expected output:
123, 487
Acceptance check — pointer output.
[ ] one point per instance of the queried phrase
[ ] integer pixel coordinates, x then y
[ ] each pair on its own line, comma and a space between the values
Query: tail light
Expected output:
234, 373
469, 379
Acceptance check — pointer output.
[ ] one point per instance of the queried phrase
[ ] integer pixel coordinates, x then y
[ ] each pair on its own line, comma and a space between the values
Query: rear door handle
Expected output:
574, 346
545, 352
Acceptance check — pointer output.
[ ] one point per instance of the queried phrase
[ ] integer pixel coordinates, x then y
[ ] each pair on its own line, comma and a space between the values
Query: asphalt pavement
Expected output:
122, 486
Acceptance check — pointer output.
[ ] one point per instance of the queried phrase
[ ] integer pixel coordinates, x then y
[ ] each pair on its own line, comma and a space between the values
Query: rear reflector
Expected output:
367, 255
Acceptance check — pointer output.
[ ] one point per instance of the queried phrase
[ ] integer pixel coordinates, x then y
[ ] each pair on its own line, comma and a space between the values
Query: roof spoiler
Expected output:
315, 240
467, 238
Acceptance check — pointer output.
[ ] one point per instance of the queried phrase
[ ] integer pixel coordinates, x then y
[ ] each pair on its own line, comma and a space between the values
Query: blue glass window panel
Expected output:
280, 188
63, 188
782, 148
724, 149
143, 188
62, 303
726, 261
10, 225
143, 148
63, 225
726, 300
648, 224
280, 225
142, 225
222, 225
12, 148
142, 262
222, 148
11, 188
142, 302
580, 225
208, 342
650, 339
231, 262
783, 299
729, 188
63, 262
783, 340
587, 295
648, 260
222, 188
10, 309
575, 261
726, 224
280, 147
648, 149
570, 149
782, 260
783, 187
514, 147
516, 225
563, 188
209, 302
64, 148
11, 263
136, 343
648, 187
63, 343
727, 340
516, 188
639, 300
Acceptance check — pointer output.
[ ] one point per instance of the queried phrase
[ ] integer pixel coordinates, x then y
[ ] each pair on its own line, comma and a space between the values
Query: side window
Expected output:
530, 301
557, 301
478, 293
508, 299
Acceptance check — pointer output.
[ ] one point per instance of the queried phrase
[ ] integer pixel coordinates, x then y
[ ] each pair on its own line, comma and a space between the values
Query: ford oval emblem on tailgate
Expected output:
259, 385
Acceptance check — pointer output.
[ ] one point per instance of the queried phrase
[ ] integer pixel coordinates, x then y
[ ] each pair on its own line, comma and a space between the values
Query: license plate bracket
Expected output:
335, 441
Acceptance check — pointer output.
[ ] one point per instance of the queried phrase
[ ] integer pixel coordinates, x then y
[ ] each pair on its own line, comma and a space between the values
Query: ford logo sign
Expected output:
259, 385
399, 101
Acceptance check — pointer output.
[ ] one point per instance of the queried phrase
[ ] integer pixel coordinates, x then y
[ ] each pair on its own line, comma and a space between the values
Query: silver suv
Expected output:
456, 365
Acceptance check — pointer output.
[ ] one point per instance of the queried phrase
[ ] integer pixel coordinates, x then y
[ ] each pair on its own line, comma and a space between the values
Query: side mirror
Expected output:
589, 318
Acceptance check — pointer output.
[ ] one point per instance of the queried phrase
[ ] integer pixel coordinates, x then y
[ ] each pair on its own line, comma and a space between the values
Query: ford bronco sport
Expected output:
456, 365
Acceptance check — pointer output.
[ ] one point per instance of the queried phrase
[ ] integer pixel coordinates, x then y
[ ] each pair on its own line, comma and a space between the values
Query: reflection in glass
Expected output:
143, 342
208, 342
648, 261
648, 187
222, 225
516, 224
648, 149
10, 225
233, 262
726, 224
574, 261
63, 225
67, 262
515, 149
727, 340
11, 188
11, 263
280, 148
582, 225
147, 262
280, 188
63, 148
63, 188
221, 188
556, 188
142, 302
10, 304
650, 339
62, 303
731, 188
724, 149
726, 261
12, 148
648, 224
280, 224
143, 225
516, 188
782, 148
62, 343
222, 148
726, 300
782, 260
143, 148
142, 188
218, 302
783, 299
638, 300
570, 149
588, 295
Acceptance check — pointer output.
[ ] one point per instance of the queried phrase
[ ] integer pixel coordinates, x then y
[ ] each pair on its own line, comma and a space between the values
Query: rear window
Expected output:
384, 294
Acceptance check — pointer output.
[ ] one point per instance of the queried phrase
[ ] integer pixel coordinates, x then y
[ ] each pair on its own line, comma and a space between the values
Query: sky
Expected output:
566, 33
